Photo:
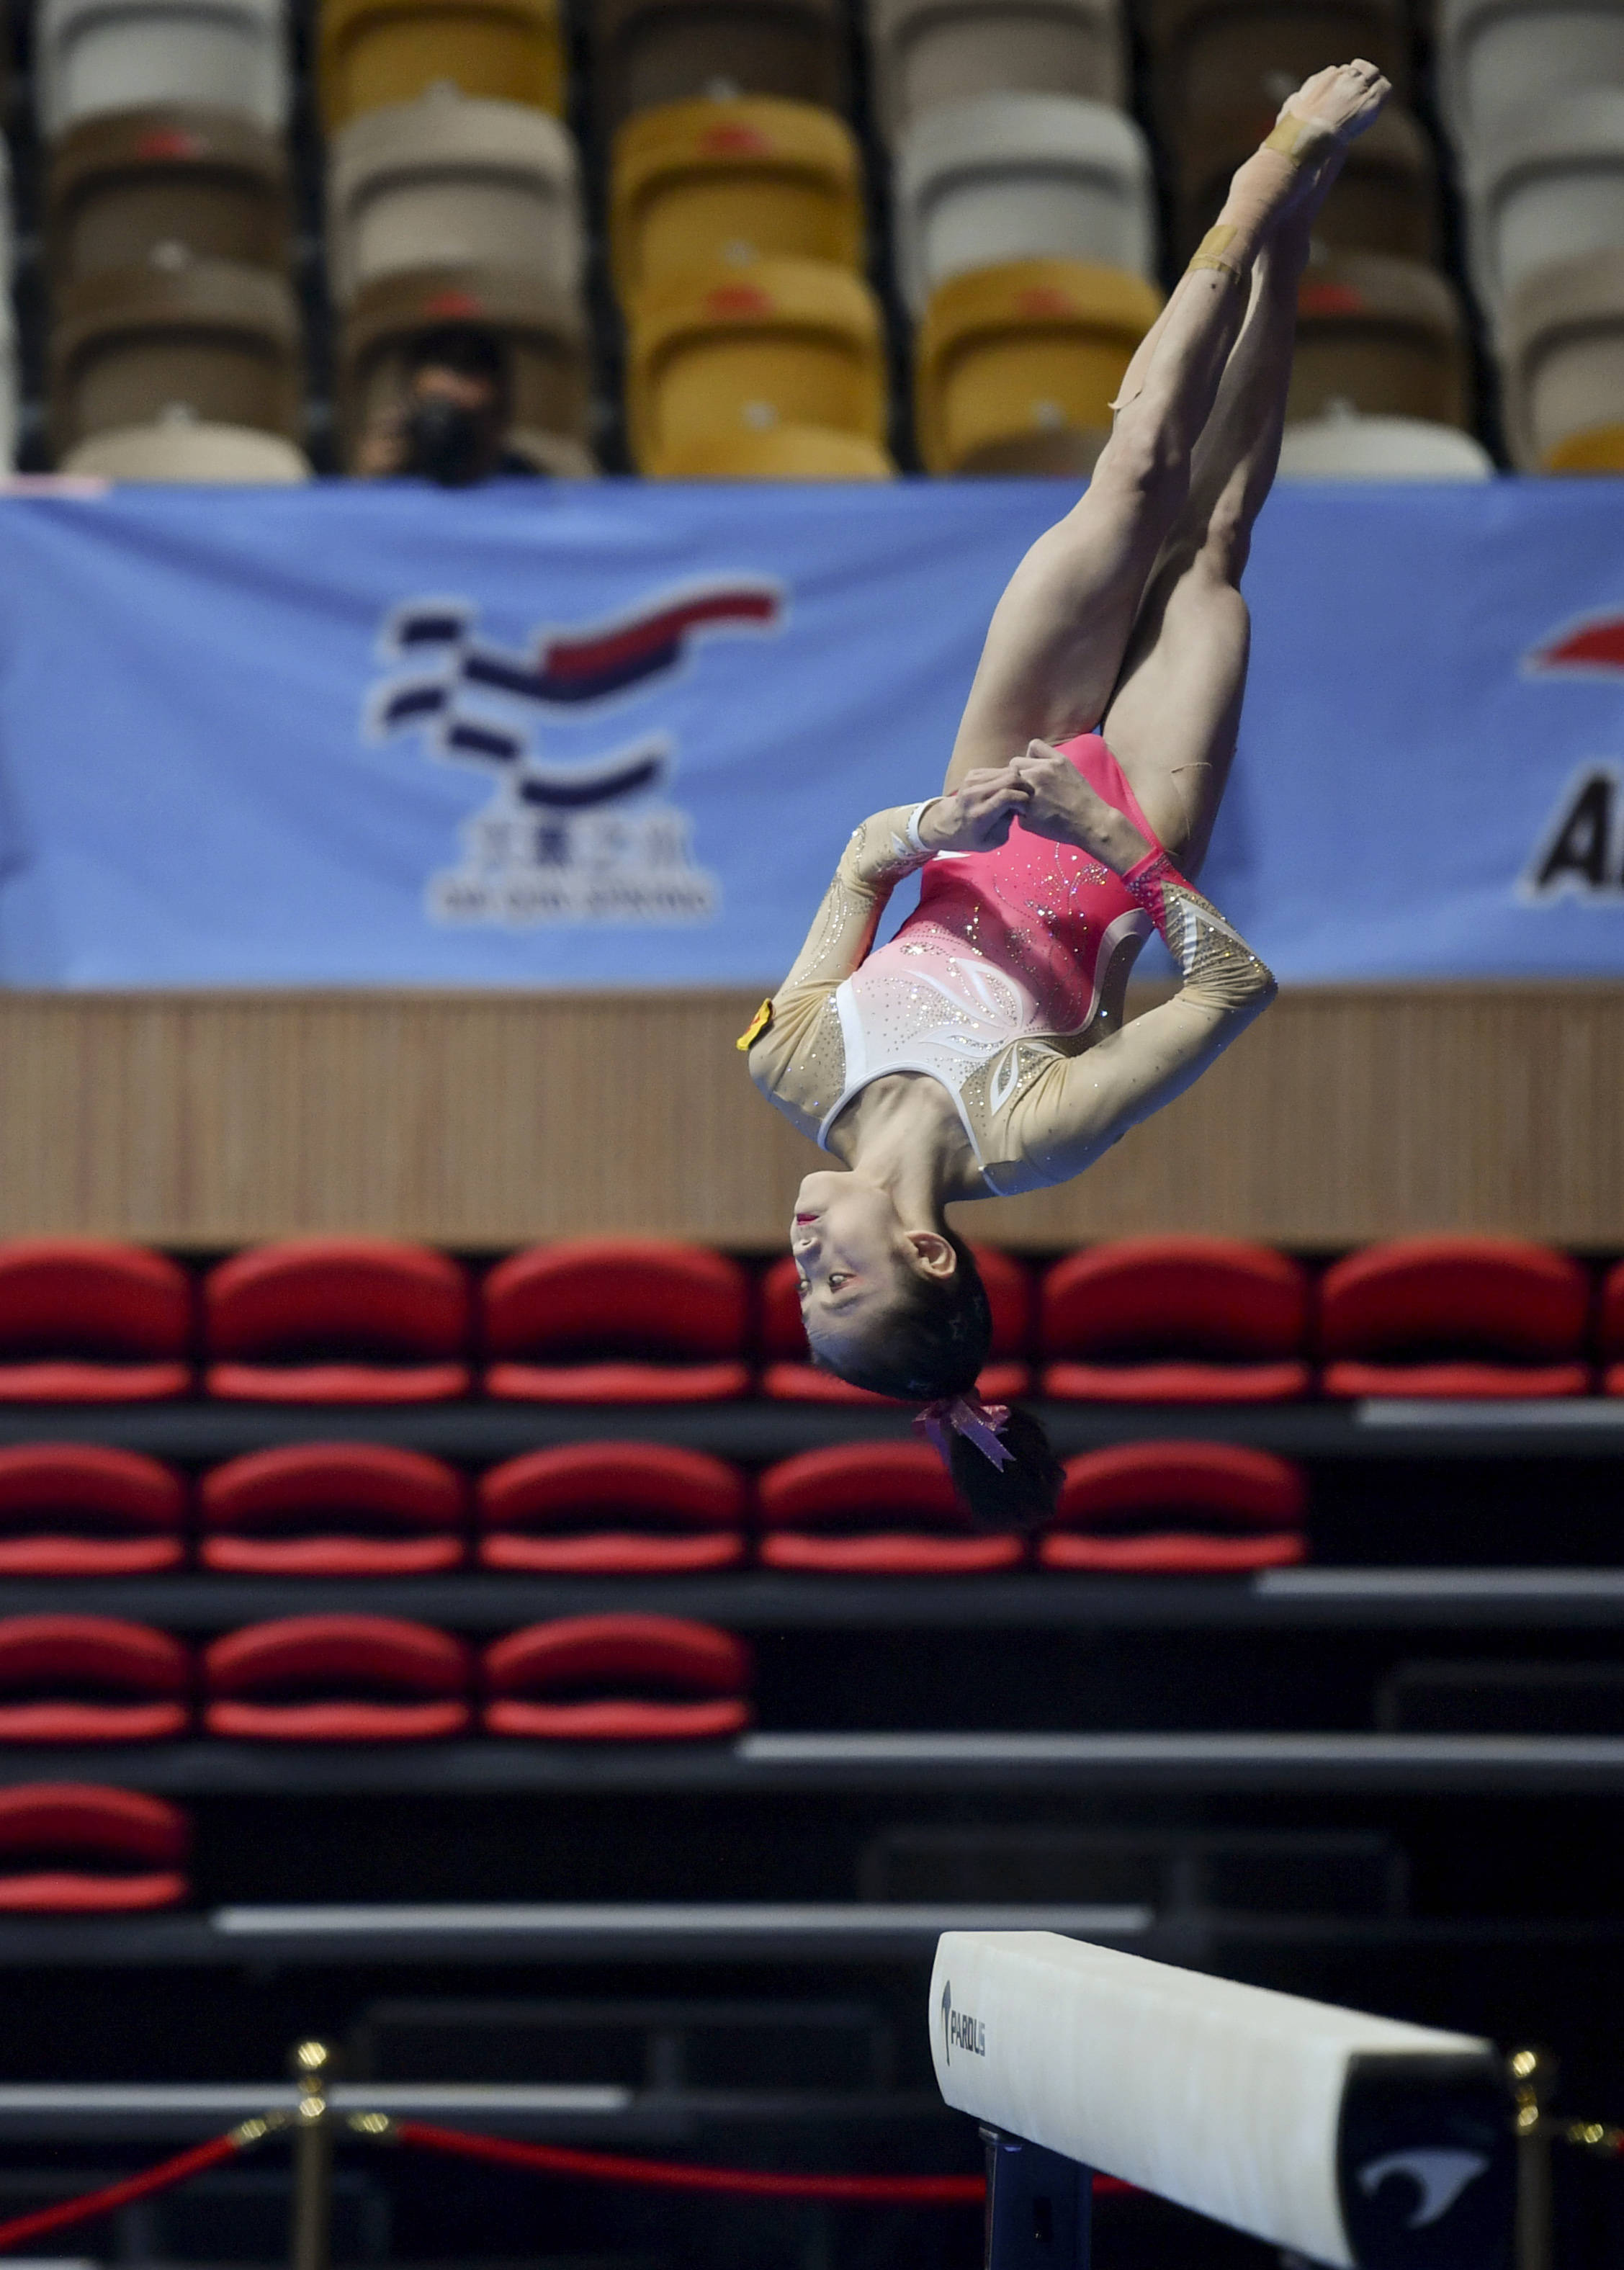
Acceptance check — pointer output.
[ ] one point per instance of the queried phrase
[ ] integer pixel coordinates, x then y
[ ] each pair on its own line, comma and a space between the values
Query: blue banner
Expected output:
615, 734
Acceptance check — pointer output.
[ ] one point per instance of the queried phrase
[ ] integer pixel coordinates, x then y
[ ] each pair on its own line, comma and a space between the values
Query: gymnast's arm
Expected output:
1086, 1104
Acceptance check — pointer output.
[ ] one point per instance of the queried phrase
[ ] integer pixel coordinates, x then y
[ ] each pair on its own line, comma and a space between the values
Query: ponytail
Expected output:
934, 1343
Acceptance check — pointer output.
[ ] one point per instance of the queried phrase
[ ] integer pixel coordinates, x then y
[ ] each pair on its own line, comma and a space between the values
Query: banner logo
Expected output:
1579, 853
561, 841
1591, 648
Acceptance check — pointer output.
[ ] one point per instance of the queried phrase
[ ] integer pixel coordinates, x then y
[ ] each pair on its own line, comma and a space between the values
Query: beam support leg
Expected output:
1039, 2206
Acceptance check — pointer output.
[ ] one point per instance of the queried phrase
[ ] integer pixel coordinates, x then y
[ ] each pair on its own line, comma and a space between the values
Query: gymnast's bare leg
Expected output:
1172, 720
1062, 631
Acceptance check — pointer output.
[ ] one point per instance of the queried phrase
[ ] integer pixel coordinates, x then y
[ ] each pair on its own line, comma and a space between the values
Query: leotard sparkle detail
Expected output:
998, 988
1005, 945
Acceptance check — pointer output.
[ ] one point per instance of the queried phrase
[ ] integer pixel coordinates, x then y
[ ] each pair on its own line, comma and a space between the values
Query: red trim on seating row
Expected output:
356, 1320
337, 1510
371, 1679
74, 1848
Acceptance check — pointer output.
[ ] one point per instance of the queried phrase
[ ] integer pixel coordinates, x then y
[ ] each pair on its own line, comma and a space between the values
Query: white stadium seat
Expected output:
1344, 447
176, 451
95, 56
447, 179
1497, 60
931, 52
1550, 188
1009, 177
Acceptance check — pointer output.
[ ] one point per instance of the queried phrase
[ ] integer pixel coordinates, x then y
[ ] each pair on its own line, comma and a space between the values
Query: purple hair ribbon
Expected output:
979, 1423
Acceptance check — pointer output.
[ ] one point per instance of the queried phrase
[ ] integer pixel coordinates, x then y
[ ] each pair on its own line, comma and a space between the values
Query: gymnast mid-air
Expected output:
982, 1051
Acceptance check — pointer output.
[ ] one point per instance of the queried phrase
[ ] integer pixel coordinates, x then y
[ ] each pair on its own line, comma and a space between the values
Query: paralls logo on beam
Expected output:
959, 2031
563, 840
1580, 850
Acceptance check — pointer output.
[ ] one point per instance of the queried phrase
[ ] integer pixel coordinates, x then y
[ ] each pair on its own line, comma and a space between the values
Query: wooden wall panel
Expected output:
483, 1120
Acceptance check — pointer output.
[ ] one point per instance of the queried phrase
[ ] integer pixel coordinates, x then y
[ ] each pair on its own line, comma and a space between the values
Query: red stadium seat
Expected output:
618, 1678
338, 1320
1455, 1317
69, 1509
83, 1320
336, 1679
1177, 1508
71, 1848
1612, 1330
616, 1320
1175, 1320
611, 1509
333, 1510
90, 1679
874, 1509
790, 1376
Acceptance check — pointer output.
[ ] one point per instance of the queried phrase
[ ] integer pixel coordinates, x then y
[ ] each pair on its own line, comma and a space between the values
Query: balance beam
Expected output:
1359, 2142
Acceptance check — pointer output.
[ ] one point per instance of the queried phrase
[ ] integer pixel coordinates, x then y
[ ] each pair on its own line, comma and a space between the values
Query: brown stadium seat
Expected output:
928, 53
695, 182
1385, 336
127, 186
782, 453
1563, 360
1068, 454
211, 341
726, 350
1036, 348
654, 51
1209, 55
542, 329
449, 181
377, 52
1385, 200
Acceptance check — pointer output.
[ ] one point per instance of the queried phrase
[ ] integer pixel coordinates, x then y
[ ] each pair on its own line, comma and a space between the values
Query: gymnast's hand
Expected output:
1062, 806
977, 815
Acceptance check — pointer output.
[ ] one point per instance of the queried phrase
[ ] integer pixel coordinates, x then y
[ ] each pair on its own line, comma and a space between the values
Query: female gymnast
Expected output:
982, 1051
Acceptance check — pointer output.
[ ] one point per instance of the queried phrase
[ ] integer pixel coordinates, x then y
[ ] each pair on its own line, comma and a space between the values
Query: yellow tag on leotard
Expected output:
755, 1029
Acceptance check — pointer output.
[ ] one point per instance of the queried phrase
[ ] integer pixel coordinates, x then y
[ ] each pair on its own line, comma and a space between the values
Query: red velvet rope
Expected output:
680, 2175
115, 2195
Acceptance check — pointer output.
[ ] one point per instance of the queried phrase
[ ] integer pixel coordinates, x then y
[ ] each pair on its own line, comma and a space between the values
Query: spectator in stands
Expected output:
1006, 988
451, 424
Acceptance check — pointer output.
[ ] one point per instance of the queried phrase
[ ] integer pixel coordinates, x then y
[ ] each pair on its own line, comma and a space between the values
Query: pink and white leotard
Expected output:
1005, 945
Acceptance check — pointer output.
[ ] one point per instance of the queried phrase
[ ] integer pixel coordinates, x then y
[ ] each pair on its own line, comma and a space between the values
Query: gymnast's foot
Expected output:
1328, 111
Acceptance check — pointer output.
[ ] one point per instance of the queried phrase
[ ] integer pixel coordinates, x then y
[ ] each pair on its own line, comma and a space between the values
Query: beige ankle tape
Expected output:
1290, 135
1210, 251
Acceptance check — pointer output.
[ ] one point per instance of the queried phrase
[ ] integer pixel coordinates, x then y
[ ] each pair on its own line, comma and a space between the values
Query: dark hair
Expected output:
467, 349
934, 1343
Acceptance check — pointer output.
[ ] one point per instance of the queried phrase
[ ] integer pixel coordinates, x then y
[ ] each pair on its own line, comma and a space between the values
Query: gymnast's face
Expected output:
852, 1260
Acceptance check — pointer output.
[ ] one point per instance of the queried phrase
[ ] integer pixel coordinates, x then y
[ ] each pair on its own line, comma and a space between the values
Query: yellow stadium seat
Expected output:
1597, 450
726, 350
378, 52
693, 183
1033, 344
781, 453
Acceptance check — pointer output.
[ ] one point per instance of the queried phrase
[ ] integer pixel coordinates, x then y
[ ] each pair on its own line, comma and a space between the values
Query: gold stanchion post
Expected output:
310, 2237
1533, 2077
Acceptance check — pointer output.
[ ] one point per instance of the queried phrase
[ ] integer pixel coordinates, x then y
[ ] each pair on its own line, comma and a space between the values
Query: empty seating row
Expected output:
363, 1509
616, 1320
89, 1679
